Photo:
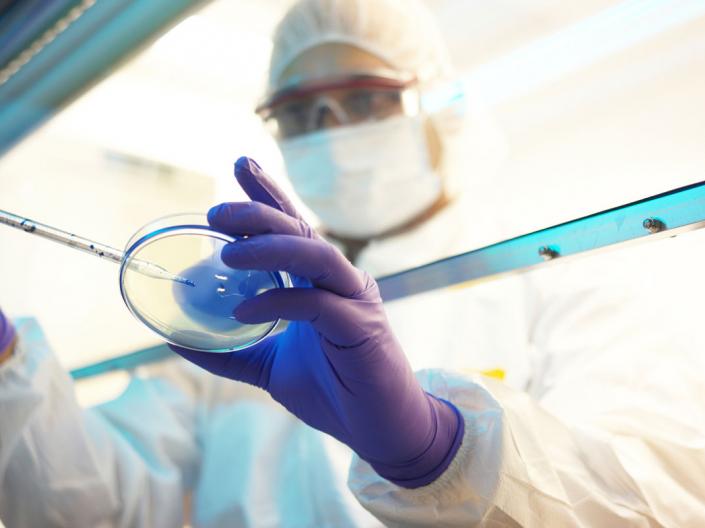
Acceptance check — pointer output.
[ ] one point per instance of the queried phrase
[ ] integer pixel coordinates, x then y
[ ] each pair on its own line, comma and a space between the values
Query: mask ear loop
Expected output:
325, 102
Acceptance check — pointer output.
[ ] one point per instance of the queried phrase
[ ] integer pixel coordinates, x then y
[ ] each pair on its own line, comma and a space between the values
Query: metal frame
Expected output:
124, 362
664, 215
69, 57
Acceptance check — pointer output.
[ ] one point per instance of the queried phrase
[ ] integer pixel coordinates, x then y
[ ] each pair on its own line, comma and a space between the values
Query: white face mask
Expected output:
364, 180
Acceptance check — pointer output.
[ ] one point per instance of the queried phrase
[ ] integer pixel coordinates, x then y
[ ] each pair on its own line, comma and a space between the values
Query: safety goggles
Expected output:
313, 105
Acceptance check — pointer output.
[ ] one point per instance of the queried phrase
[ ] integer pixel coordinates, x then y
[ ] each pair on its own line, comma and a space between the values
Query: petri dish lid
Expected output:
198, 315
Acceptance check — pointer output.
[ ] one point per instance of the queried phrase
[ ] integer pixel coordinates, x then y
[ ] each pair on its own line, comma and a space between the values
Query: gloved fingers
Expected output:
252, 365
316, 260
256, 218
337, 319
260, 187
291, 304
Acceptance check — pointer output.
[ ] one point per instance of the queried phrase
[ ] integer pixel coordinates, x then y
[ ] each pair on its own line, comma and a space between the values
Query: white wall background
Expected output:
159, 136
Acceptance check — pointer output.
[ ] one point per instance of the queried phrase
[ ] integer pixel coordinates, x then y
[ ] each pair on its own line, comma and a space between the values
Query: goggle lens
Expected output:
308, 114
337, 102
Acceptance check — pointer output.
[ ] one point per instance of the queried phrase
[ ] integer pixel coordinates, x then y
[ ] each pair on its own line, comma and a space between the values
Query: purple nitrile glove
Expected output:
339, 367
7, 333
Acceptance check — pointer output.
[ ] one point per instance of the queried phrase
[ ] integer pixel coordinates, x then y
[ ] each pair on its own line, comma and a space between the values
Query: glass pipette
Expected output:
88, 246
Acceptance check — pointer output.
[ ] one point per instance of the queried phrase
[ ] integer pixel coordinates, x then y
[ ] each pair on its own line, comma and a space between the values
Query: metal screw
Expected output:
548, 253
654, 225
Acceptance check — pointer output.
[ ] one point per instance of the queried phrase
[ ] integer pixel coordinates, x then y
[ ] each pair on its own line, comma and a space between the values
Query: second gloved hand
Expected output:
338, 367
7, 337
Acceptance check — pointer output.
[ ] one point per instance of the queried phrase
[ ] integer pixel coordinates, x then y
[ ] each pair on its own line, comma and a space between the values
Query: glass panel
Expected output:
570, 110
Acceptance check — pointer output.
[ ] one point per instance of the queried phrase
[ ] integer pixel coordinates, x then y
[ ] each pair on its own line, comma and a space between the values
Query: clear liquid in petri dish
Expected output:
199, 316
216, 293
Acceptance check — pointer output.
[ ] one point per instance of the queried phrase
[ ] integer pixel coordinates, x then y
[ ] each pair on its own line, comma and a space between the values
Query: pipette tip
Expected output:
185, 281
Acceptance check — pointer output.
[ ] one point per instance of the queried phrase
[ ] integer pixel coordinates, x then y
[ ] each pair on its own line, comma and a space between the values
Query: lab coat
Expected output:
599, 422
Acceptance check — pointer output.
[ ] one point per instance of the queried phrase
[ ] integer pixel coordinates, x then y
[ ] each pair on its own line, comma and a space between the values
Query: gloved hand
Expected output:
338, 367
7, 337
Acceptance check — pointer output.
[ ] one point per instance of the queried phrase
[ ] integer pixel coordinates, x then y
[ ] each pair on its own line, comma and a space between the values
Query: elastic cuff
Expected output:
424, 480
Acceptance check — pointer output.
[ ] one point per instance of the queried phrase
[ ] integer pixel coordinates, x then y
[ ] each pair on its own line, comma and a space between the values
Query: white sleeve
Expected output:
611, 433
519, 465
612, 429
61, 465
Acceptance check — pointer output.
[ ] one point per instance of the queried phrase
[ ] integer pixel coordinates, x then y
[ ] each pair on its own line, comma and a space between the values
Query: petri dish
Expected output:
197, 314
